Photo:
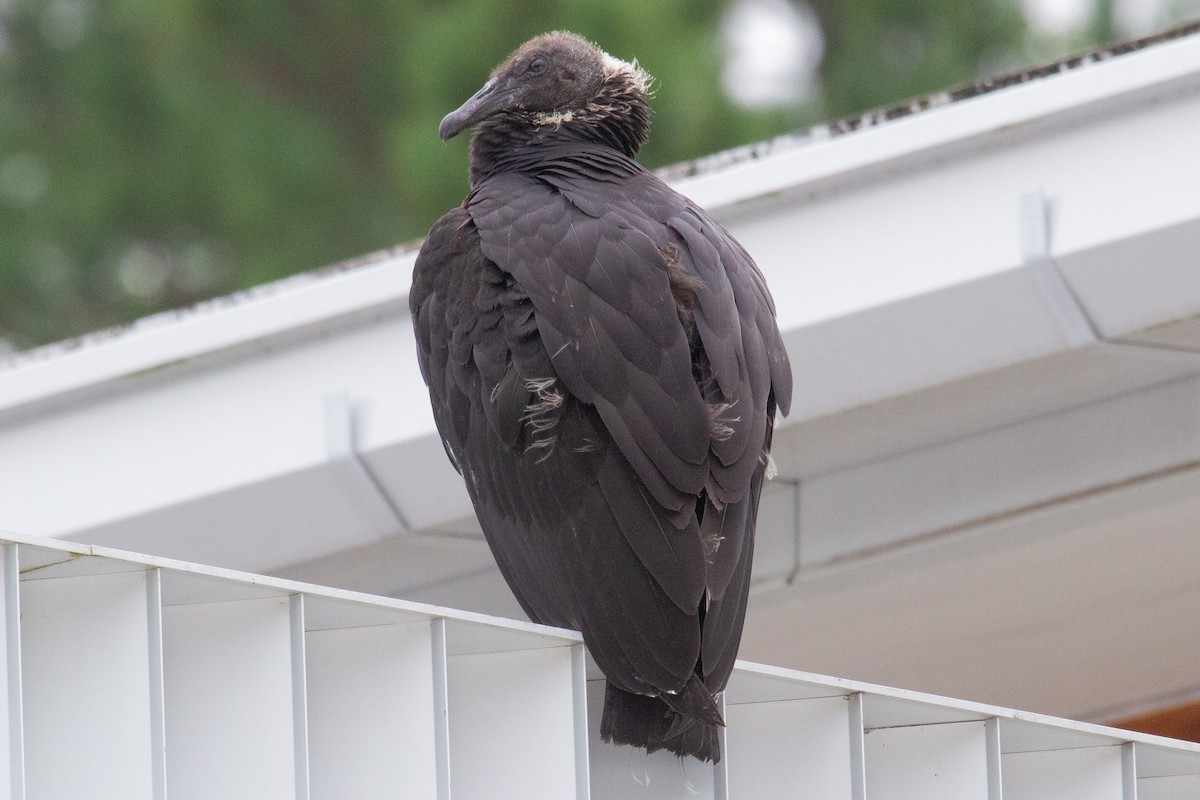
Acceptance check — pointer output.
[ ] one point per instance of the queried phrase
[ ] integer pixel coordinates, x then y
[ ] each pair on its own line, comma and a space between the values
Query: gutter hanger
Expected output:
1077, 326
355, 477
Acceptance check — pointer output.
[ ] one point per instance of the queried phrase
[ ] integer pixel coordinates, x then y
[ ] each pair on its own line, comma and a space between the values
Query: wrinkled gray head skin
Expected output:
553, 74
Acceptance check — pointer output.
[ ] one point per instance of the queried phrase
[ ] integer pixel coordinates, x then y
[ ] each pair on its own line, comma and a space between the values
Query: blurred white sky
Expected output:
773, 49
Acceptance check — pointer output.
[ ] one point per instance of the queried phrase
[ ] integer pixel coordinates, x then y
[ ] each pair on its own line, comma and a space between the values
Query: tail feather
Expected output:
686, 724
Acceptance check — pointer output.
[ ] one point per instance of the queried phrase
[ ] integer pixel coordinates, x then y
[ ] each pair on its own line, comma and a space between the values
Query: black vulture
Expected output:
604, 366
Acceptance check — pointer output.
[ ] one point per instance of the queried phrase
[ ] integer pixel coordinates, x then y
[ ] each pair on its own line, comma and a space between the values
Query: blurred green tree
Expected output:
156, 152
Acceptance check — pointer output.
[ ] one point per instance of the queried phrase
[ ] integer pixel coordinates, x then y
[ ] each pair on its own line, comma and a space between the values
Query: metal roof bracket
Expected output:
1076, 324
1073, 320
355, 477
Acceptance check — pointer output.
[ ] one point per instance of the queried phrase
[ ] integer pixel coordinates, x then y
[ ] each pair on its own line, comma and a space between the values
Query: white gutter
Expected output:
953, 127
373, 285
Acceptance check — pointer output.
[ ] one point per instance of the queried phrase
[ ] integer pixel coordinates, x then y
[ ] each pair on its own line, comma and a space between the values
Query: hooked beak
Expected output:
481, 105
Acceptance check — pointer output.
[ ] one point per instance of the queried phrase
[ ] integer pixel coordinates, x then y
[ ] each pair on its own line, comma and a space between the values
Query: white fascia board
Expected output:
45, 559
58, 568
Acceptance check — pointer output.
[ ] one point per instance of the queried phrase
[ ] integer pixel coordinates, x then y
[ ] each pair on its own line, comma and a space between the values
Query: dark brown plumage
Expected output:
604, 367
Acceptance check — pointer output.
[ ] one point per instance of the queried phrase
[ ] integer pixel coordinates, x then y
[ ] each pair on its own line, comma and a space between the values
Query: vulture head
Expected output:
558, 85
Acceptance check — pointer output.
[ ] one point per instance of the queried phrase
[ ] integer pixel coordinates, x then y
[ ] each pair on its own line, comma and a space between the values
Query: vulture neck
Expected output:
617, 117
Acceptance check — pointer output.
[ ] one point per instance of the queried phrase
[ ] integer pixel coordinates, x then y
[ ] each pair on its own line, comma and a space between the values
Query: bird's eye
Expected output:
538, 65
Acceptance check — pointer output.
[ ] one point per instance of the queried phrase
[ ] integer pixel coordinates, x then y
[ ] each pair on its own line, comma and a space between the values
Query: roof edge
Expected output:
872, 118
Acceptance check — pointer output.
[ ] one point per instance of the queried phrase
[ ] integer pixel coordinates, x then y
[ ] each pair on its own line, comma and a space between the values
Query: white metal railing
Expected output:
134, 677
